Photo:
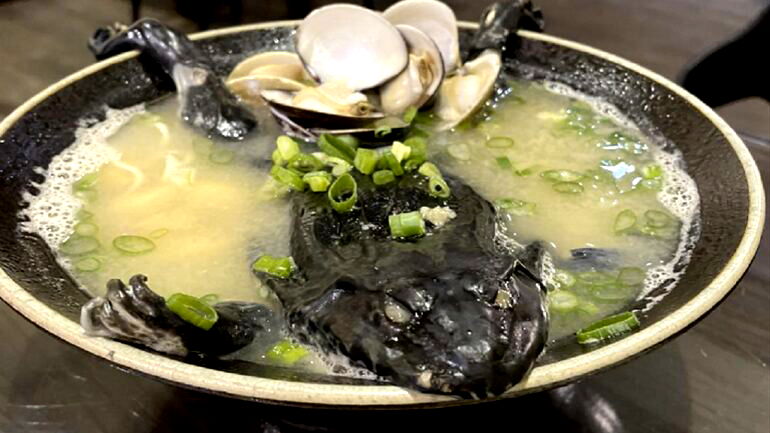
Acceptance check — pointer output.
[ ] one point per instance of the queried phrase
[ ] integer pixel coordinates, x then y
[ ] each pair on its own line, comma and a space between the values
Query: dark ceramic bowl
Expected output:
732, 214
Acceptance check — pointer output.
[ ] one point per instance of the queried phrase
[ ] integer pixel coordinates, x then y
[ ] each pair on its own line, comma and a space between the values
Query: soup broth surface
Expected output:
193, 214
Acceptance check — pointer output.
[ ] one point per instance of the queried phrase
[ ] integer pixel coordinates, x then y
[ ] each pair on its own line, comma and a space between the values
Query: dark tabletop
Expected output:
714, 378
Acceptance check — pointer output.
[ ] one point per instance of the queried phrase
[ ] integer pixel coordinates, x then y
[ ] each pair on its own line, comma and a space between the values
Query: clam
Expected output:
436, 20
350, 44
355, 69
282, 62
274, 70
418, 83
466, 91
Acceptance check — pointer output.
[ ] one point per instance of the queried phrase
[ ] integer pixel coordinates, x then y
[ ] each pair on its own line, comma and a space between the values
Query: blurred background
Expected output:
715, 378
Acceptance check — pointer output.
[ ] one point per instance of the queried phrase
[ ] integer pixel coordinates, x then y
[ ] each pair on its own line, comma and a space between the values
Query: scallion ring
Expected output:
318, 181
366, 160
406, 225
499, 142
281, 267
193, 310
383, 177
343, 193
625, 221
133, 245
568, 187
288, 178
609, 327
437, 187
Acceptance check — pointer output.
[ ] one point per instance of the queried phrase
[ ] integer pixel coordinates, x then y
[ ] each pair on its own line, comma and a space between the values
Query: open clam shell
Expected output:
435, 19
464, 93
281, 63
420, 81
350, 44
316, 113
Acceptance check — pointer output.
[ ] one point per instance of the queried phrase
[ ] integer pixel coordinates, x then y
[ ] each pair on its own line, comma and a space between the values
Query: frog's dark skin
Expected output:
134, 313
457, 339
207, 104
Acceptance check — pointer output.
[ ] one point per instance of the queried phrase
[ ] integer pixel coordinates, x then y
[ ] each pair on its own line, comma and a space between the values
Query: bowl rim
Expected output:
303, 393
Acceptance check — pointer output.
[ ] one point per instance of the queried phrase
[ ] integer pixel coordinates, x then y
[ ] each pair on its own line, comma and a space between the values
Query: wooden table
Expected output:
714, 378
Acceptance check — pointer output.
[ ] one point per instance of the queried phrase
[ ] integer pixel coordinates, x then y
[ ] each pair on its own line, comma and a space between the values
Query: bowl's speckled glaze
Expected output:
732, 214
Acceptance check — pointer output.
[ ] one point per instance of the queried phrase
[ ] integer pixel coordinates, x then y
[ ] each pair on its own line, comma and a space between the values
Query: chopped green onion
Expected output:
221, 156
588, 308
202, 146
382, 131
504, 163
349, 141
192, 310
437, 187
366, 160
288, 178
412, 164
410, 114
318, 181
600, 176
210, 299
133, 245
406, 225
277, 158
668, 232
595, 278
653, 184
516, 207
383, 177
419, 148
562, 175
86, 229
83, 215
339, 165
155, 234
607, 328
652, 171
87, 264
87, 195
400, 151
287, 353
612, 292
499, 142
429, 169
564, 279
85, 183
392, 163
657, 219
562, 301
631, 276
343, 193
337, 148
287, 147
78, 245
625, 221
305, 163
568, 187
525, 172
459, 152
281, 267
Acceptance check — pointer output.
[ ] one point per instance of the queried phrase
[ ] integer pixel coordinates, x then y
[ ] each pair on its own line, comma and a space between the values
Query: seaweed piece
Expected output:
452, 312
206, 103
135, 314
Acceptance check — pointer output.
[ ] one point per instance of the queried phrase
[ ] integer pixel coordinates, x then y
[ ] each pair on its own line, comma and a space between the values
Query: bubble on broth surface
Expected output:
679, 196
52, 212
